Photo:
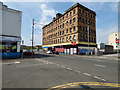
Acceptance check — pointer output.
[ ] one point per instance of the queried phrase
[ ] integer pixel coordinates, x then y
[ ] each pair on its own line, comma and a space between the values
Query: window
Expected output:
60, 32
86, 21
63, 18
67, 23
73, 11
74, 19
63, 25
83, 29
83, 20
62, 39
70, 13
83, 37
80, 28
67, 16
58, 20
74, 28
70, 38
86, 14
79, 10
70, 21
63, 32
91, 15
80, 38
83, 12
67, 31
66, 38
60, 26
70, 30
56, 34
58, 40
80, 19
115, 34
74, 37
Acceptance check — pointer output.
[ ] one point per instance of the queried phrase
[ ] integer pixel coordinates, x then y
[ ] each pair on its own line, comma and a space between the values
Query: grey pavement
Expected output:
47, 71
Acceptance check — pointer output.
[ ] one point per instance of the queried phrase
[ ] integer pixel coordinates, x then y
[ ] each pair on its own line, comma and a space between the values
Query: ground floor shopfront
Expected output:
9, 47
72, 48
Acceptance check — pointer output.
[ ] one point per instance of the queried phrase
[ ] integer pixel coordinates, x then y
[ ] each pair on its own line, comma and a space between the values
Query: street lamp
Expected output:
88, 39
33, 24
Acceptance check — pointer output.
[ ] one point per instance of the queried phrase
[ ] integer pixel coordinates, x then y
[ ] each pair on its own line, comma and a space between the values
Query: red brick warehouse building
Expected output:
68, 34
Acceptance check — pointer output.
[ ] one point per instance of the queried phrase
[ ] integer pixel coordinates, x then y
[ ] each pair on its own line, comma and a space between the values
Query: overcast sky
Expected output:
43, 12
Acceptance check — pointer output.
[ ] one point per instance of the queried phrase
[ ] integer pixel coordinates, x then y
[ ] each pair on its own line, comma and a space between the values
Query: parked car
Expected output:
49, 52
29, 53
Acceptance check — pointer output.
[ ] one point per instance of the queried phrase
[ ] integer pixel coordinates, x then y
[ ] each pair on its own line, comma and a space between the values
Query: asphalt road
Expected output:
48, 71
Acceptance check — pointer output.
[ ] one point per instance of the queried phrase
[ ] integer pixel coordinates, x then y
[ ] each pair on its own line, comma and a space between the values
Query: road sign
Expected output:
117, 40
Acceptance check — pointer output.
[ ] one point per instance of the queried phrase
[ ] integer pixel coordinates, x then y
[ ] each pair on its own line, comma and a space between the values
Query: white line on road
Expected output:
87, 74
99, 65
97, 77
16, 62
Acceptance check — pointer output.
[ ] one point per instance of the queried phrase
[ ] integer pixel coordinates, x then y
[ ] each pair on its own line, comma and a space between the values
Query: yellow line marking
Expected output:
84, 83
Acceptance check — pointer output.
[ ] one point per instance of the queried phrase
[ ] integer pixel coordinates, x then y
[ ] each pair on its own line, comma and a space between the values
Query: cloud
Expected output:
102, 34
47, 14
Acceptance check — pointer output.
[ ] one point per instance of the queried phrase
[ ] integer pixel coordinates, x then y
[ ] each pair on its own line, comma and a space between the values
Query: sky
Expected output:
43, 13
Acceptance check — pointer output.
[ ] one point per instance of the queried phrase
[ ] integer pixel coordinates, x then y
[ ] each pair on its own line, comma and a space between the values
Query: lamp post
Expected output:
88, 39
33, 24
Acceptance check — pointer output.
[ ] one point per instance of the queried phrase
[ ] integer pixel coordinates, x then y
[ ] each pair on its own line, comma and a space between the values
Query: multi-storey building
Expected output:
112, 40
68, 31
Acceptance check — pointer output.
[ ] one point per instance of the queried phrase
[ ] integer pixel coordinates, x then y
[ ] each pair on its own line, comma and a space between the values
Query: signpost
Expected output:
117, 42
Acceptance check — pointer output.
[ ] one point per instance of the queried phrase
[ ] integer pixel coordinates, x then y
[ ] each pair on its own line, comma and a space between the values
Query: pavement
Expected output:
60, 71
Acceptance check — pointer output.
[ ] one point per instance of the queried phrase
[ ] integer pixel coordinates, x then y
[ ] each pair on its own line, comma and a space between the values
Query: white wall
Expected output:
0, 17
11, 22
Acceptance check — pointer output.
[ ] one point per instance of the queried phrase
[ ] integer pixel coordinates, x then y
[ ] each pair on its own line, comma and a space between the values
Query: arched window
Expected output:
67, 22
74, 11
70, 37
74, 28
70, 21
74, 19
74, 37
63, 25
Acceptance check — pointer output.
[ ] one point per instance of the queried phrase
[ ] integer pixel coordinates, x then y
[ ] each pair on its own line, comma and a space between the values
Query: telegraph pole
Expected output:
32, 34
88, 39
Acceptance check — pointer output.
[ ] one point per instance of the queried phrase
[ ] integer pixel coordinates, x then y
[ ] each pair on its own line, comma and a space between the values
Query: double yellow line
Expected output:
84, 83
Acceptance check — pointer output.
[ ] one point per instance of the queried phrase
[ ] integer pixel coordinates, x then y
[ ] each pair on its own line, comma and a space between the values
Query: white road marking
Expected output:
97, 77
99, 65
87, 74
28, 65
102, 57
16, 62
100, 60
